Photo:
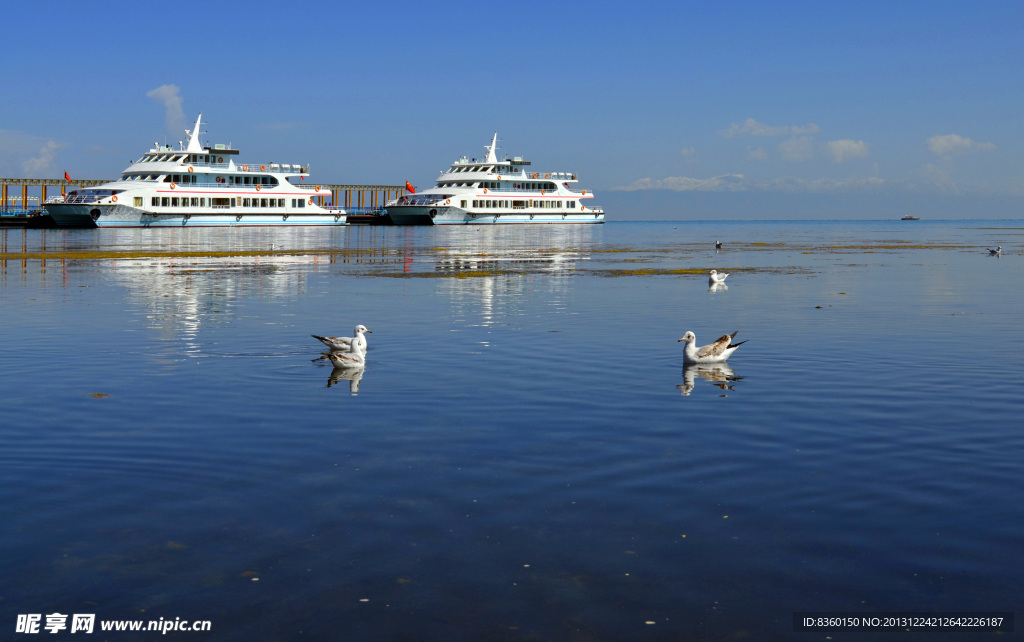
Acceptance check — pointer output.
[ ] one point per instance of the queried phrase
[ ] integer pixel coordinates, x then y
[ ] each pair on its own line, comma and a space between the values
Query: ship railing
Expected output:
547, 192
80, 199
205, 186
250, 167
419, 202
551, 176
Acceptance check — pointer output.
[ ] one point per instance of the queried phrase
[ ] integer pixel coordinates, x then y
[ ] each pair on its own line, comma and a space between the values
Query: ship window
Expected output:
263, 202
164, 201
138, 201
273, 202
155, 201
463, 204
174, 201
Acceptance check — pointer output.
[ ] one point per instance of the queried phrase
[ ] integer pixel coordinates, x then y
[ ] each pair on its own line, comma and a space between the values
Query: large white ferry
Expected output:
490, 191
197, 186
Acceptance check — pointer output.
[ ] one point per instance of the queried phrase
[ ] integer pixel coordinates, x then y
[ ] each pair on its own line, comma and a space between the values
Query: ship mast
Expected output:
491, 150
194, 146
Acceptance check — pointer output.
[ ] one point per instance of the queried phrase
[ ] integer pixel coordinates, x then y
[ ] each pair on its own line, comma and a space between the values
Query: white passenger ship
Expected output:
196, 186
492, 191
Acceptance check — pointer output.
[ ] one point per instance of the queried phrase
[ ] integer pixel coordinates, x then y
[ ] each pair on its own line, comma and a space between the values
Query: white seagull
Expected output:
713, 352
718, 245
714, 277
354, 359
996, 251
344, 344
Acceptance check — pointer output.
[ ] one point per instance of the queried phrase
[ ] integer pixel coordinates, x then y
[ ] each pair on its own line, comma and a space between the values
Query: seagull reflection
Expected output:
719, 374
352, 375
715, 287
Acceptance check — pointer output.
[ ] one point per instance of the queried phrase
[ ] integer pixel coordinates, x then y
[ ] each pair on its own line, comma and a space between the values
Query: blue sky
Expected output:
665, 109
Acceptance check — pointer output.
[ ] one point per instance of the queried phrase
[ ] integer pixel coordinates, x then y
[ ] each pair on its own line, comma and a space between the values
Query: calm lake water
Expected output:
523, 457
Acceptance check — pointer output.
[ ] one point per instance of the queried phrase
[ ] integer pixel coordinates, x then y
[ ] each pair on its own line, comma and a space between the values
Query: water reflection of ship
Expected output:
719, 374
492, 267
352, 375
180, 294
520, 249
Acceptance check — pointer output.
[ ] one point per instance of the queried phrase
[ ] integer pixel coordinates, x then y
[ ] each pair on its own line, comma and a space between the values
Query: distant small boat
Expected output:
908, 217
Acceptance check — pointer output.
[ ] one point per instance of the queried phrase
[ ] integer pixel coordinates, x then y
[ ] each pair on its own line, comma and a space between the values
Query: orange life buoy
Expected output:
310, 201
263, 168
535, 174
542, 192
245, 168
499, 178
258, 187
485, 190
547, 176
447, 201
584, 192
173, 185
220, 159
582, 208
317, 188
113, 198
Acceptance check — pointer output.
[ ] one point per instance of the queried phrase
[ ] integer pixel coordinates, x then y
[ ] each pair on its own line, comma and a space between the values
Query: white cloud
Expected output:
950, 144
27, 156
756, 153
169, 96
43, 163
741, 183
751, 127
845, 149
798, 148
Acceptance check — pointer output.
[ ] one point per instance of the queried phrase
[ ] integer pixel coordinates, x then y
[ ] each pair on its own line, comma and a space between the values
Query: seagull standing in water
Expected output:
996, 251
714, 278
713, 352
346, 344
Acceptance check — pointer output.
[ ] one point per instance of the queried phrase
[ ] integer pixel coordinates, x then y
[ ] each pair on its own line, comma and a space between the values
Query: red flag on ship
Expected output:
66, 177
410, 188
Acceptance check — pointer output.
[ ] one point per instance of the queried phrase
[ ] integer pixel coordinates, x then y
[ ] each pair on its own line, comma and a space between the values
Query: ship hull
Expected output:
434, 215
111, 215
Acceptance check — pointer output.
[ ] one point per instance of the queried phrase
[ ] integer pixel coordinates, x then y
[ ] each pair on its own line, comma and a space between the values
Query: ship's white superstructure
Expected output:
493, 191
197, 186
